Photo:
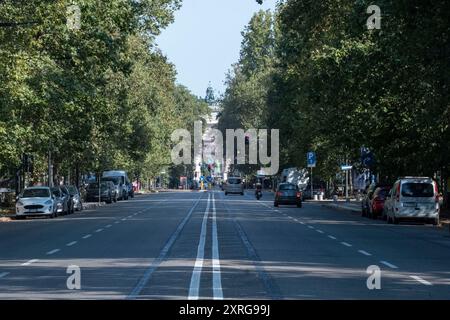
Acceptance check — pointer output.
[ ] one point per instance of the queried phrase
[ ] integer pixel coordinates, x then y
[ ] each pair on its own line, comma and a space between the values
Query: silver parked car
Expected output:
234, 185
36, 201
413, 198
76, 198
62, 201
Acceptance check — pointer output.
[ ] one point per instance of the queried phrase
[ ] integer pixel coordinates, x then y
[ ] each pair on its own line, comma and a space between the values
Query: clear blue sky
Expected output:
205, 39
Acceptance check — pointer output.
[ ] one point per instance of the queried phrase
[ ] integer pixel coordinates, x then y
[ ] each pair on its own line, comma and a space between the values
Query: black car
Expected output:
105, 194
288, 193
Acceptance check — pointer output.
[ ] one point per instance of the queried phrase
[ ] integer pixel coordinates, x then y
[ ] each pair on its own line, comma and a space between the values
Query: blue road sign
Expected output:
202, 178
311, 159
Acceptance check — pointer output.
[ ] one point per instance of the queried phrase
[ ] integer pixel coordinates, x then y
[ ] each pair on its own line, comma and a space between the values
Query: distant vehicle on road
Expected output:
120, 180
288, 193
36, 201
318, 189
234, 185
413, 198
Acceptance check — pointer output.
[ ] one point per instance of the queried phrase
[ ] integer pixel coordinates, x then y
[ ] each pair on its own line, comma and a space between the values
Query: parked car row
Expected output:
48, 201
409, 198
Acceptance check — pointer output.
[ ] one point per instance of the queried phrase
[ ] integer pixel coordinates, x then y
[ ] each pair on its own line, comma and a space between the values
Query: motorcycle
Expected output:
258, 194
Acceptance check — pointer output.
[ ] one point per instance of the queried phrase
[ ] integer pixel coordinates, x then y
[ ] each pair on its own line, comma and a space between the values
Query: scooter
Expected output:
258, 194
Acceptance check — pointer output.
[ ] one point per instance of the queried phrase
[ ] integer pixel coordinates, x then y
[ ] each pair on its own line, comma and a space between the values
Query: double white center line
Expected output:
194, 287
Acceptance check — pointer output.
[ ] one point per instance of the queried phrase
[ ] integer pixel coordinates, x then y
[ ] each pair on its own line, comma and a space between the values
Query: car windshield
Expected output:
115, 180
414, 189
288, 187
234, 181
36, 193
382, 192
95, 185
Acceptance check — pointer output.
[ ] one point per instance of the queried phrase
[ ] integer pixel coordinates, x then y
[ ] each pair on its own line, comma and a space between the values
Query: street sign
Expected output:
202, 178
345, 167
311, 159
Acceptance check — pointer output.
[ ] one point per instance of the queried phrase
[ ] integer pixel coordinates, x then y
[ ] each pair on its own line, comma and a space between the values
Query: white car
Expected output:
234, 185
36, 201
413, 198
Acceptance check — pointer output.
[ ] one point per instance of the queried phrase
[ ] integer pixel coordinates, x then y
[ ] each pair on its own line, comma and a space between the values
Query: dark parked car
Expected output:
376, 204
368, 196
106, 192
288, 193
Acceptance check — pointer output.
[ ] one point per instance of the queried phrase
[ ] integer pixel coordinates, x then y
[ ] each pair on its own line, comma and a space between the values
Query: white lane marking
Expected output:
117, 222
217, 278
194, 287
53, 251
30, 262
332, 237
124, 219
346, 244
108, 226
301, 222
71, 243
364, 253
422, 281
311, 227
390, 265
319, 231
3, 274
87, 236
99, 230
163, 254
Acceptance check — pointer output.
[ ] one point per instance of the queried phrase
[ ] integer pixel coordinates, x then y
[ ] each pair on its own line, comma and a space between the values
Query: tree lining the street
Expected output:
97, 98
335, 86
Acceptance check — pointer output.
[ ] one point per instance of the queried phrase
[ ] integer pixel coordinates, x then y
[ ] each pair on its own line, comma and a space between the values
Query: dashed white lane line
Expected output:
29, 262
108, 226
87, 236
332, 237
301, 222
390, 265
53, 251
311, 227
346, 244
422, 281
71, 243
99, 230
364, 252
124, 219
117, 222
320, 231
3, 274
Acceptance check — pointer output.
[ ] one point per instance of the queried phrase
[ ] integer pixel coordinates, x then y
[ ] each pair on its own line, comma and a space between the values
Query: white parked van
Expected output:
413, 198
121, 182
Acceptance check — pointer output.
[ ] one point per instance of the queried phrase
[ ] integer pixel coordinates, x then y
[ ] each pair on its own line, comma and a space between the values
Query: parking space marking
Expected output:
390, 265
346, 244
422, 281
3, 274
87, 236
53, 252
99, 230
364, 253
319, 231
71, 243
29, 262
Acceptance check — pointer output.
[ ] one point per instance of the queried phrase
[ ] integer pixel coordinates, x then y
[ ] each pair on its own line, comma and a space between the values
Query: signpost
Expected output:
346, 168
311, 163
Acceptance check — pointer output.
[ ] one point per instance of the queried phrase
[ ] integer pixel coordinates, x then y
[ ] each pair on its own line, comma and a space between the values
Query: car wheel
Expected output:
435, 222
299, 205
275, 204
242, 193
